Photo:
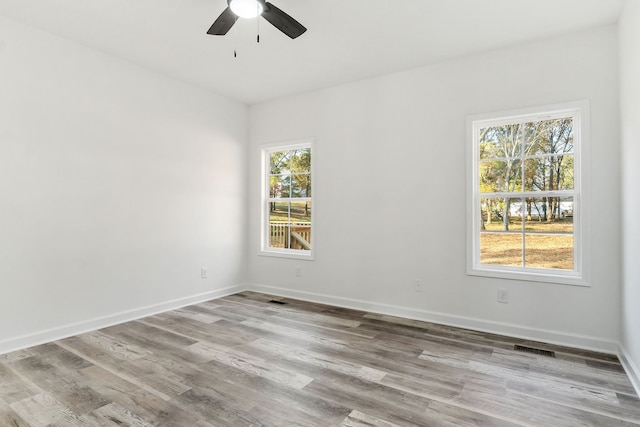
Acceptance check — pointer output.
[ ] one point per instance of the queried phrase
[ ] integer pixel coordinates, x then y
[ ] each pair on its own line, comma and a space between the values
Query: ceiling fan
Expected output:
251, 9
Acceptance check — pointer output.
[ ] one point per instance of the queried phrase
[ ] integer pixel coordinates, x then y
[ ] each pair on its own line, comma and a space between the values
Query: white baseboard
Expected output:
631, 369
65, 331
507, 329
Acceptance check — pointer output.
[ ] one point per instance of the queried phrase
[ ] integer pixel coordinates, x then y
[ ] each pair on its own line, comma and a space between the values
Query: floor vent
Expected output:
273, 301
534, 351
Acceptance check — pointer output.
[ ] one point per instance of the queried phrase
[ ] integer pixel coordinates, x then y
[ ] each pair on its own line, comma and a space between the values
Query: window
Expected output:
287, 201
527, 218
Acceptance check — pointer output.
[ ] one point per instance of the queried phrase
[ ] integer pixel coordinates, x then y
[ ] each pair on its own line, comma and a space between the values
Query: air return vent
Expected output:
534, 351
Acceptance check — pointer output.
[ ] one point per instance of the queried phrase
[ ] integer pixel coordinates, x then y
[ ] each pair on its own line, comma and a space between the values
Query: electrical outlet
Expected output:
298, 272
503, 296
203, 273
418, 285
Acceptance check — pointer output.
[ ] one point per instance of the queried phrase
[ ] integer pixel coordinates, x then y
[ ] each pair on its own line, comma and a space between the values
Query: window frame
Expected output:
264, 249
580, 275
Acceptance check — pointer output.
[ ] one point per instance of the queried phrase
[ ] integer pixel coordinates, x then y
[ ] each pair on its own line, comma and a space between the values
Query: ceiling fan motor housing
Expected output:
247, 8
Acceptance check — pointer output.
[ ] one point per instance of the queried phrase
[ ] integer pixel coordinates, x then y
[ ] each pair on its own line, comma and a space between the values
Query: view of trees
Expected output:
526, 181
526, 157
290, 173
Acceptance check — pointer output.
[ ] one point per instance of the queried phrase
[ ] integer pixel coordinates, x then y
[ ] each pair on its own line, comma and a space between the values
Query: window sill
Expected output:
545, 276
287, 254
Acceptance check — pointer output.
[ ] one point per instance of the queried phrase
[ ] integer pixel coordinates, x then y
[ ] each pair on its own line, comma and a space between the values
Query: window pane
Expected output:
301, 225
280, 162
279, 186
566, 210
500, 214
549, 136
278, 224
560, 209
290, 225
536, 173
549, 214
278, 211
492, 210
301, 185
501, 141
549, 251
278, 235
549, 173
501, 249
301, 212
301, 160
500, 176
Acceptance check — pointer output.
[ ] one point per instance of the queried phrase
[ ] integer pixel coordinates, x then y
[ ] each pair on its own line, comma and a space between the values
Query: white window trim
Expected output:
581, 275
264, 248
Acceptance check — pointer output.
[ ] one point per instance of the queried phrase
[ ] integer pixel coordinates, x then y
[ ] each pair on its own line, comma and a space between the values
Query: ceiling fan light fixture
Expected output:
252, 9
246, 8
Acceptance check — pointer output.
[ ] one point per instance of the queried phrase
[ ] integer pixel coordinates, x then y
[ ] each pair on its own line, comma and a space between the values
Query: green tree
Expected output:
546, 147
501, 146
301, 174
279, 175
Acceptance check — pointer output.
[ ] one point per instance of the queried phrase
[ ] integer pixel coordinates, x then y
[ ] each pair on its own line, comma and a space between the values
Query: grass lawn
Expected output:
541, 250
564, 225
297, 213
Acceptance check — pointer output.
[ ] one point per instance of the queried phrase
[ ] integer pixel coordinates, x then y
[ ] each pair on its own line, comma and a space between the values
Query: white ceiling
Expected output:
347, 40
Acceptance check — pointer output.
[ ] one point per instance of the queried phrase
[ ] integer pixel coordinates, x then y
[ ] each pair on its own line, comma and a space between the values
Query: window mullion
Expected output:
523, 206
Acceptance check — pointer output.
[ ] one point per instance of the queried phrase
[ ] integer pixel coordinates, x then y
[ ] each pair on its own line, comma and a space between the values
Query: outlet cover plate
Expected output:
503, 296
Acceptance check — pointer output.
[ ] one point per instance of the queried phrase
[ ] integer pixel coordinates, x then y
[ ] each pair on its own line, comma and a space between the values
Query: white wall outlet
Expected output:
503, 296
418, 285
298, 272
203, 273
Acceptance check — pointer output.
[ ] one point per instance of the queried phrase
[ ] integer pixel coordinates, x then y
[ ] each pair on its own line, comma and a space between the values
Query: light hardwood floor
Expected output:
245, 361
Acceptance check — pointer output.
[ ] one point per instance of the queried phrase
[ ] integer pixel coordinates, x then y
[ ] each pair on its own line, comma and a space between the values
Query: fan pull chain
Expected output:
258, 22
235, 39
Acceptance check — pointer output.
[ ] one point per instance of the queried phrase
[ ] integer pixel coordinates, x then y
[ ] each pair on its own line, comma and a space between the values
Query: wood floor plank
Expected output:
112, 365
115, 347
278, 404
9, 417
275, 349
16, 355
44, 410
55, 371
136, 400
242, 360
302, 316
115, 415
157, 376
253, 365
13, 387
358, 419
531, 411
225, 332
194, 314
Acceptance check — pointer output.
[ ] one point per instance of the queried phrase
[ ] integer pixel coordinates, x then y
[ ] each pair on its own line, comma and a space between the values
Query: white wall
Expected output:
630, 178
390, 190
116, 186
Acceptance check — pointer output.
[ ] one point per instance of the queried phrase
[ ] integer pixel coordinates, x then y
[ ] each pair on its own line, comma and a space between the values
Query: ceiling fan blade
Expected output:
282, 21
224, 23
